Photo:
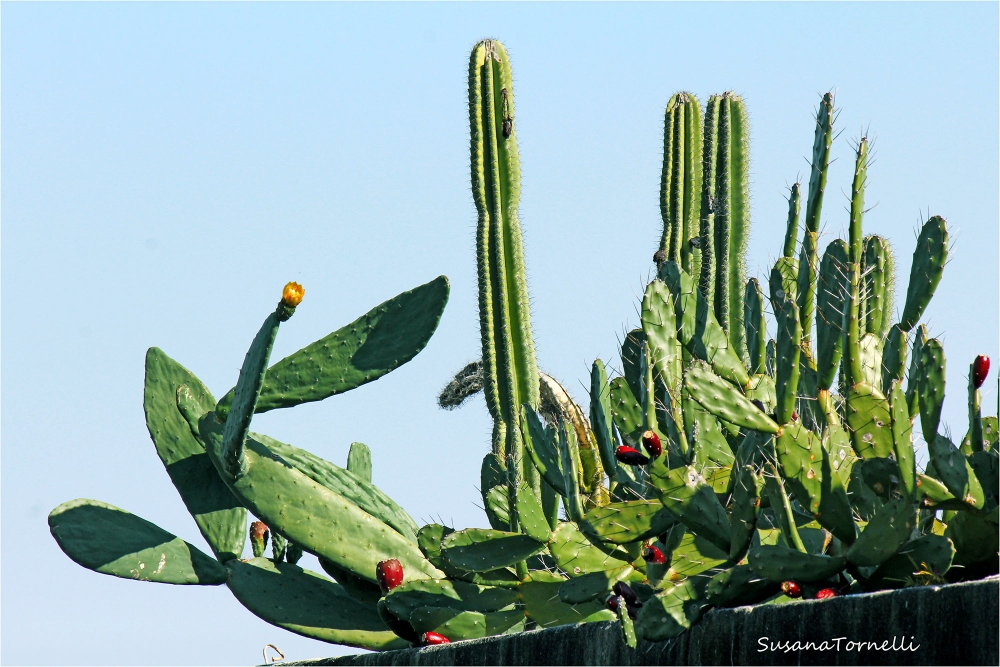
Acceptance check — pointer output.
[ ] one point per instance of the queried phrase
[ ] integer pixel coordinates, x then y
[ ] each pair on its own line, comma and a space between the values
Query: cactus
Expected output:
724, 238
511, 373
680, 184
819, 167
221, 469
721, 468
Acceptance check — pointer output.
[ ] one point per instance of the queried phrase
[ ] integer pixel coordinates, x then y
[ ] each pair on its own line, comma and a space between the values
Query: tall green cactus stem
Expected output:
789, 348
709, 155
792, 229
913, 376
894, 356
817, 184
853, 351
879, 274
930, 387
831, 301
756, 326
732, 216
511, 372
680, 184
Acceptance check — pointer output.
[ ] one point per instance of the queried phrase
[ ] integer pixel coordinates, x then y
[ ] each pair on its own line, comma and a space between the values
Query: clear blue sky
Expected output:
166, 168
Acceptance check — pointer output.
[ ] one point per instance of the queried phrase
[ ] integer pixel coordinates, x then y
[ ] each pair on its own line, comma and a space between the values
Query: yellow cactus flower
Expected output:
292, 295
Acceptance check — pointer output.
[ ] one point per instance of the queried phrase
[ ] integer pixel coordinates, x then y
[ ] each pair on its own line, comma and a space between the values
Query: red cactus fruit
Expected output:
826, 593
653, 554
795, 416
651, 442
630, 456
389, 574
980, 369
433, 639
791, 589
624, 591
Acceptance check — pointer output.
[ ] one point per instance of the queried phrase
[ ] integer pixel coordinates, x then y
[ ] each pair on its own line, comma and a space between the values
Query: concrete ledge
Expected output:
935, 625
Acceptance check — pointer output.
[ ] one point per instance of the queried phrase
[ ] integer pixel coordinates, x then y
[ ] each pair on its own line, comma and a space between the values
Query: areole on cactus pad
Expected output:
775, 467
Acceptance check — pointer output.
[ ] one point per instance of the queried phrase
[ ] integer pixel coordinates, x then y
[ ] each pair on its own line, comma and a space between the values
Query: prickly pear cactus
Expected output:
222, 470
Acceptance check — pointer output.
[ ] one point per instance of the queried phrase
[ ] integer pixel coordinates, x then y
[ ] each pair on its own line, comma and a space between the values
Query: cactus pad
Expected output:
929, 258
725, 401
540, 597
380, 341
632, 521
673, 610
220, 517
575, 554
779, 564
479, 550
109, 540
307, 604
691, 500
592, 585
888, 530
459, 625
359, 461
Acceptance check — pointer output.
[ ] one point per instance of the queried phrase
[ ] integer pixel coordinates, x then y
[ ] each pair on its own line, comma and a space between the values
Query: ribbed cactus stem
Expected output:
817, 184
878, 271
647, 398
756, 326
833, 285
510, 369
710, 139
792, 226
732, 217
855, 249
680, 184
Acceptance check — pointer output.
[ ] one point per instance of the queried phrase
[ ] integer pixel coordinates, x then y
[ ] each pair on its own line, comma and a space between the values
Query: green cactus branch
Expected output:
511, 372
680, 183
817, 184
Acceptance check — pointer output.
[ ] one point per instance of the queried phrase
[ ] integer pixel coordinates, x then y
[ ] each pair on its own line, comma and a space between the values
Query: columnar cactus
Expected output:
510, 370
680, 182
726, 222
